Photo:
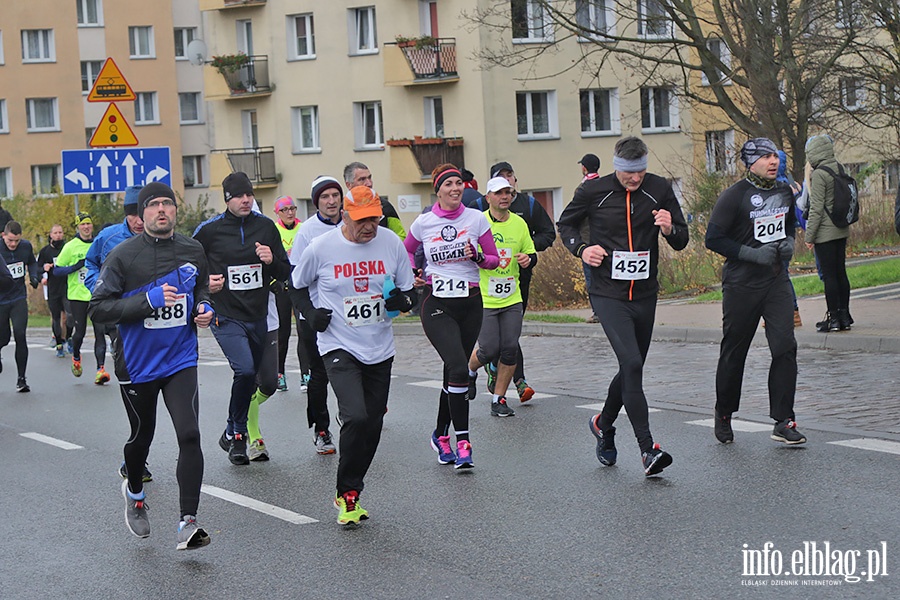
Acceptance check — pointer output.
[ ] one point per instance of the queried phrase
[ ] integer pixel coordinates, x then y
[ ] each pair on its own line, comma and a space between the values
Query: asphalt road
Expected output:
538, 517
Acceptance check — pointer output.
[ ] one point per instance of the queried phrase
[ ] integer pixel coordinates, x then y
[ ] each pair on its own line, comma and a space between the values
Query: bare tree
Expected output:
774, 68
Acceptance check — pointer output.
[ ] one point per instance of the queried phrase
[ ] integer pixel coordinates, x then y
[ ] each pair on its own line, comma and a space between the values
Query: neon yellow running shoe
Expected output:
350, 512
76, 368
102, 376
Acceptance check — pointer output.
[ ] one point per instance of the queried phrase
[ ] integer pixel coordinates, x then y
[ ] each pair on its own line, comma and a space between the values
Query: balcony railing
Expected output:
251, 78
224, 4
257, 163
431, 152
432, 60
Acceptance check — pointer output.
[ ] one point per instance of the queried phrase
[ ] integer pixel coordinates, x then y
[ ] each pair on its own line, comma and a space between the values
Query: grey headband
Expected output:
630, 165
755, 149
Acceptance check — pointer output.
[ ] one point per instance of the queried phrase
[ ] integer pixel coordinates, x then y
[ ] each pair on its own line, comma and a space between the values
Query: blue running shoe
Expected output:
60, 353
606, 442
441, 445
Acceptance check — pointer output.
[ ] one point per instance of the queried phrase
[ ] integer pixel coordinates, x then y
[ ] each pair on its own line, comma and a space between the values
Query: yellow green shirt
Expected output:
500, 286
75, 250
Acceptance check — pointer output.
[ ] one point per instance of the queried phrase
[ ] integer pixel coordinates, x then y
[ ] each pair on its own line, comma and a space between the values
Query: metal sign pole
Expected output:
76, 204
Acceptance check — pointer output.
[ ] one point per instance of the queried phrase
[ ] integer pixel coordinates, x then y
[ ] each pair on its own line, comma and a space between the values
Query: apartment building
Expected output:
50, 54
396, 84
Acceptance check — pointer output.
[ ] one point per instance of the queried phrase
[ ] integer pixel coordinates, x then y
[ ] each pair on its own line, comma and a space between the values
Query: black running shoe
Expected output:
606, 442
472, 391
237, 453
148, 476
723, 428
786, 431
655, 460
22, 386
501, 409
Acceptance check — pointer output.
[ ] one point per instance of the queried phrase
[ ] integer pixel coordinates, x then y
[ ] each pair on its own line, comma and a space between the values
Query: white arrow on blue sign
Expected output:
100, 171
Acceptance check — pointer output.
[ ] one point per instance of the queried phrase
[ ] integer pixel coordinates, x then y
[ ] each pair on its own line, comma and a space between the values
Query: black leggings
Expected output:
17, 313
285, 311
101, 330
832, 258
79, 313
452, 326
267, 375
317, 391
180, 395
629, 328
57, 307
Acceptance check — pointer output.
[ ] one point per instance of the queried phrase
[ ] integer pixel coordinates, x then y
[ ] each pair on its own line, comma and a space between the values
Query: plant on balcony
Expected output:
230, 63
425, 41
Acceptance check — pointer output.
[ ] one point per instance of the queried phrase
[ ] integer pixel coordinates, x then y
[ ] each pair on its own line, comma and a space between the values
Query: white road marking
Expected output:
870, 444
213, 363
599, 406
736, 424
266, 509
38, 437
45, 346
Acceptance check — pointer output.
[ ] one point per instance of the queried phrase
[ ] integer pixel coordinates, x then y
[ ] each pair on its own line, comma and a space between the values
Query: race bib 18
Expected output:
168, 317
245, 277
16, 269
630, 266
448, 287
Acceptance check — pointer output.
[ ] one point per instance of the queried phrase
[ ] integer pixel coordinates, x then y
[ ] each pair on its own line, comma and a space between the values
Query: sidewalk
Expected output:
876, 328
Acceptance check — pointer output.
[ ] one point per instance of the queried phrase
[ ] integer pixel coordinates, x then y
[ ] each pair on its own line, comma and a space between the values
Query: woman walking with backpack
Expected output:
828, 240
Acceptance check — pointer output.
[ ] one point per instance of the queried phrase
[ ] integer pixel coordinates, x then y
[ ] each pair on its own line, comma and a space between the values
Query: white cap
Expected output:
496, 184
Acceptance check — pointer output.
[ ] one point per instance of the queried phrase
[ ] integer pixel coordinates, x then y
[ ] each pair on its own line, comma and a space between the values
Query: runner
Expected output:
107, 239
626, 211
348, 268
502, 322
752, 226
70, 263
244, 251
451, 310
19, 257
154, 287
55, 289
356, 174
326, 196
288, 225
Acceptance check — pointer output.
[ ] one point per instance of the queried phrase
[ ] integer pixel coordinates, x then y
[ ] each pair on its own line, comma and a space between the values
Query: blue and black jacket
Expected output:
100, 248
154, 342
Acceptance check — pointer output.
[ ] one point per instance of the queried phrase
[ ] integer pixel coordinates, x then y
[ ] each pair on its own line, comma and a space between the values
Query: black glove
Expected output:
79, 265
398, 300
318, 318
786, 248
764, 255
35, 282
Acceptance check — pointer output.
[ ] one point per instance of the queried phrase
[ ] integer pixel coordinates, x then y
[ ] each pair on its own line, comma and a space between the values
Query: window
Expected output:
42, 114
363, 39
659, 110
44, 179
183, 37
6, 189
852, 93
653, 21
145, 111
301, 37
90, 12
305, 123
848, 12
434, 116
720, 151
89, 71
38, 46
599, 112
891, 176
530, 21
718, 49
890, 95
536, 115
4, 119
194, 173
189, 108
594, 18
369, 126
88, 134
1, 48
140, 42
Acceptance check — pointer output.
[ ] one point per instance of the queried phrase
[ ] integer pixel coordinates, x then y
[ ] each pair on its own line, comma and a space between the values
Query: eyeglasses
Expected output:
288, 209
158, 203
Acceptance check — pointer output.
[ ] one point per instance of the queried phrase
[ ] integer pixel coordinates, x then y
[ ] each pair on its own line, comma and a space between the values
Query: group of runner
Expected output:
350, 268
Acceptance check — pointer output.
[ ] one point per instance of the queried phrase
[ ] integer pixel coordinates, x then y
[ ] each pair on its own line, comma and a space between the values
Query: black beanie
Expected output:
322, 183
152, 191
236, 184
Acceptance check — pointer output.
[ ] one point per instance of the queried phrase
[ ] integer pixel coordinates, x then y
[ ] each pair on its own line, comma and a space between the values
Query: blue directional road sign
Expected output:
99, 171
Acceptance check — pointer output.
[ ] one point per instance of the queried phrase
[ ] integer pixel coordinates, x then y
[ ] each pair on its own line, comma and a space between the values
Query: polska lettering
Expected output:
815, 560
358, 269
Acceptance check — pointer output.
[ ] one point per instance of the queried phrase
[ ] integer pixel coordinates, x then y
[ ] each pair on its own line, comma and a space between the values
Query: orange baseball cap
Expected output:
362, 202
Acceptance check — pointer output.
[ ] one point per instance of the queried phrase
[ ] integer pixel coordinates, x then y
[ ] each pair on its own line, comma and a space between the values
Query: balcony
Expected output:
257, 163
422, 61
245, 76
226, 4
413, 160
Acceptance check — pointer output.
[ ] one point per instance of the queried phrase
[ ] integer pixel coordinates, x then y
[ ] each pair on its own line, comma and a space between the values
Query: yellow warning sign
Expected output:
113, 130
110, 85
